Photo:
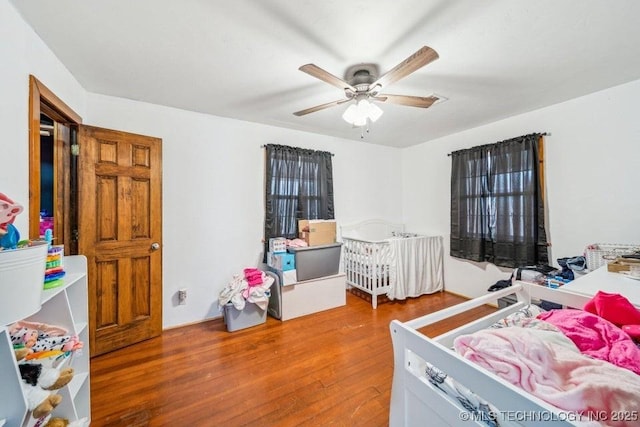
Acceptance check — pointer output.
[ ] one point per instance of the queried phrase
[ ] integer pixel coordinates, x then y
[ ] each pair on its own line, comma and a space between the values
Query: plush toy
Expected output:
39, 401
44, 329
23, 335
47, 378
63, 422
21, 351
44, 338
9, 235
64, 343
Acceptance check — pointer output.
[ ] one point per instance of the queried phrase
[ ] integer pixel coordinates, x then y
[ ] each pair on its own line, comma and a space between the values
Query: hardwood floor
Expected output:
330, 368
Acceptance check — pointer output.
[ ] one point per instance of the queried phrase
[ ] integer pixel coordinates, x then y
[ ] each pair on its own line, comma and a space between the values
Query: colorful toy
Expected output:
9, 235
40, 339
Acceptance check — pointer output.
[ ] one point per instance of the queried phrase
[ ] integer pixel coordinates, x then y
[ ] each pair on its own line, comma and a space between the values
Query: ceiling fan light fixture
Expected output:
360, 121
349, 114
375, 112
358, 114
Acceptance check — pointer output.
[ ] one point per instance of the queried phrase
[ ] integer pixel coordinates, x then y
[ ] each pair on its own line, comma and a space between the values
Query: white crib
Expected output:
368, 257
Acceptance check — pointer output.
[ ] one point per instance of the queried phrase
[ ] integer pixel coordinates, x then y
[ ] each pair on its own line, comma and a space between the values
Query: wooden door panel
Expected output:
141, 274
107, 204
106, 286
121, 219
141, 201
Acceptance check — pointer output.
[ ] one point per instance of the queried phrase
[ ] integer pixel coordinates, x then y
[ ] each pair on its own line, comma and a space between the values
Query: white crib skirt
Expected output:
416, 266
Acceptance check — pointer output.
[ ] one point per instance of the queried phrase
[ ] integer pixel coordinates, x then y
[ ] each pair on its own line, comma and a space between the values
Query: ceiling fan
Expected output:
362, 84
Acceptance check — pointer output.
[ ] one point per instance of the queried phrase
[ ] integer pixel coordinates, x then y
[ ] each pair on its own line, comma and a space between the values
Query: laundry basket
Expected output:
21, 281
599, 254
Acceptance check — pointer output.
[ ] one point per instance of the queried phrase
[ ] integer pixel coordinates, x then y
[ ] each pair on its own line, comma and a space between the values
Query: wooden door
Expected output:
120, 233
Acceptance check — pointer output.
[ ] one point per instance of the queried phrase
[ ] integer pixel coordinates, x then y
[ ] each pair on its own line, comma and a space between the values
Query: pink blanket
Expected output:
596, 337
554, 373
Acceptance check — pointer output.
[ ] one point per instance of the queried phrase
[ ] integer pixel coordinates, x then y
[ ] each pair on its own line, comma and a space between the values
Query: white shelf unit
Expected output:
65, 306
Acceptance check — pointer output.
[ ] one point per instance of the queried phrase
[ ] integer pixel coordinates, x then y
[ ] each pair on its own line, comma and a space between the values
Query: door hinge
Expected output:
75, 235
75, 150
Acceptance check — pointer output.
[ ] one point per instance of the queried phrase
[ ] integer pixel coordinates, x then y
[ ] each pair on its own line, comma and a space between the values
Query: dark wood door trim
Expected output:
43, 100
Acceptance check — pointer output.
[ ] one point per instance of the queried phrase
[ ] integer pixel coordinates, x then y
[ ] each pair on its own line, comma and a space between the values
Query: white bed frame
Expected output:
366, 255
416, 402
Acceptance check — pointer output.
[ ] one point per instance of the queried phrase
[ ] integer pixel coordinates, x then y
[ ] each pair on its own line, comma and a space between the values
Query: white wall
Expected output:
593, 178
24, 53
212, 176
213, 173
213, 192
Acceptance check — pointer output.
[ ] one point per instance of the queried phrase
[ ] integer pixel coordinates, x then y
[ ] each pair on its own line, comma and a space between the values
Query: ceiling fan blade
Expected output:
419, 59
411, 101
325, 76
320, 107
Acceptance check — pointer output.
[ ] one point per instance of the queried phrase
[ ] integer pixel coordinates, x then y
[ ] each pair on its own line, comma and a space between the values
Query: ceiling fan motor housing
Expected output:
361, 76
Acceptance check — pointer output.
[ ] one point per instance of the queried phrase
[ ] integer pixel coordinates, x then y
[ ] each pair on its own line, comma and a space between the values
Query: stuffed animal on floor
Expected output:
47, 378
40, 402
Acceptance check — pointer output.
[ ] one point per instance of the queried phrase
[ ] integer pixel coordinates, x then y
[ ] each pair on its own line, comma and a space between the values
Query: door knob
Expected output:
155, 246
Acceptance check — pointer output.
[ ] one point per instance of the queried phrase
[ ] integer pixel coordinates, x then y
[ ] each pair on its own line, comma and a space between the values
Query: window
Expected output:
299, 185
497, 210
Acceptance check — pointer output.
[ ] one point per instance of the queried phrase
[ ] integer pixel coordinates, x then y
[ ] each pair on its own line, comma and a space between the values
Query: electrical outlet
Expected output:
182, 296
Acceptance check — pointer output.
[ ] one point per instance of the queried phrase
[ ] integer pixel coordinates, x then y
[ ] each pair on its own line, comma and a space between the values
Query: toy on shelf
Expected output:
54, 270
63, 422
9, 235
40, 402
45, 377
41, 350
32, 341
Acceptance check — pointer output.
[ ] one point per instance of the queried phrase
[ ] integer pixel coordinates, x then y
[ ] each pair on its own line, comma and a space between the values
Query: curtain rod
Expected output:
541, 134
264, 146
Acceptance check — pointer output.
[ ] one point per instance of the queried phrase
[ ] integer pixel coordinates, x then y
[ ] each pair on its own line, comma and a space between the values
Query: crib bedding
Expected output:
538, 357
404, 265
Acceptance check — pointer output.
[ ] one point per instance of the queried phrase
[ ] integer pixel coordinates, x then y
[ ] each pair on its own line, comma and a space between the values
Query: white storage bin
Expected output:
21, 281
277, 245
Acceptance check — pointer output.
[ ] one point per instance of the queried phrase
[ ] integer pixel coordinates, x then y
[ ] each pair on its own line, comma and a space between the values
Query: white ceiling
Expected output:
240, 58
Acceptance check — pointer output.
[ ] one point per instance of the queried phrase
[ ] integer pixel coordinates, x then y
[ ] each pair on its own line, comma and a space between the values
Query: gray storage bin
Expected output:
235, 319
313, 262
275, 300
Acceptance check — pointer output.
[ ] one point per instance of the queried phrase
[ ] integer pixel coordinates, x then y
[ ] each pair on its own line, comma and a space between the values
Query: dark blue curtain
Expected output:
497, 208
299, 185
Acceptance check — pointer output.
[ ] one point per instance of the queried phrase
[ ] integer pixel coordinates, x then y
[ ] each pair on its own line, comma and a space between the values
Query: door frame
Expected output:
43, 100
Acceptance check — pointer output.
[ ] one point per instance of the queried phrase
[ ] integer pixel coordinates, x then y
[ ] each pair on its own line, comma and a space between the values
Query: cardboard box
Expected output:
281, 261
623, 264
317, 232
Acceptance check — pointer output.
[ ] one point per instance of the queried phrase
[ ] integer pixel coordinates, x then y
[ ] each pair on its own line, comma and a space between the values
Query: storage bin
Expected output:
277, 245
313, 262
251, 315
599, 254
21, 281
281, 261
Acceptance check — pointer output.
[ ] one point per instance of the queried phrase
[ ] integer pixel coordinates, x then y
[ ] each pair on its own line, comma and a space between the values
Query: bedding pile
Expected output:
572, 359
